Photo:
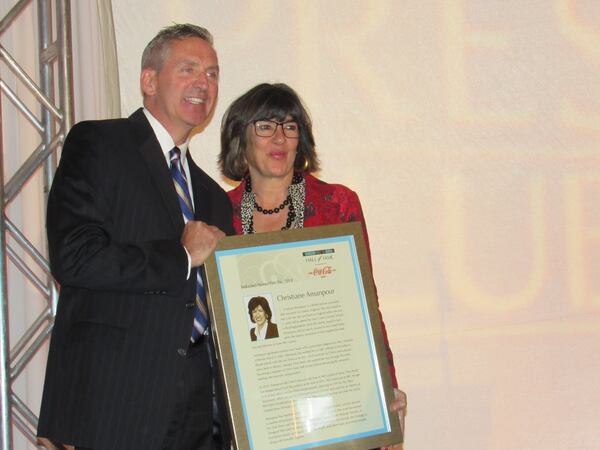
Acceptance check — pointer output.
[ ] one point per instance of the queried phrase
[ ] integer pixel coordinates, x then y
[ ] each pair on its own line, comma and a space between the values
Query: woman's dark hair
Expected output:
264, 102
255, 302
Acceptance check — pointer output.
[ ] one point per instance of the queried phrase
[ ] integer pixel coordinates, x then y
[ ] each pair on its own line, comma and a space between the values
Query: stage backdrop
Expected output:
470, 129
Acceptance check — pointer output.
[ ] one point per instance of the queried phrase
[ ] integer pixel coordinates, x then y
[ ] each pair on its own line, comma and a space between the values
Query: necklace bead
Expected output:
260, 209
291, 215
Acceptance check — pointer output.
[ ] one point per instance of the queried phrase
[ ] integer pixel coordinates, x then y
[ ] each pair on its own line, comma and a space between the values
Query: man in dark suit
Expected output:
123, 372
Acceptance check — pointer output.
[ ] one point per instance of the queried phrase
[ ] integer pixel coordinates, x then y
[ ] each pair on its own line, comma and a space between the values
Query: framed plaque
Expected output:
299, 342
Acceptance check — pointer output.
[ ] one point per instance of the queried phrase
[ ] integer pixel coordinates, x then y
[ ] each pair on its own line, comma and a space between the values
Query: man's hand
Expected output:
200, 239
398, 405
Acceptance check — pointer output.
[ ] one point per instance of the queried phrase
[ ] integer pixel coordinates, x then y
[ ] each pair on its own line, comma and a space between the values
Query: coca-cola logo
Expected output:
322, 271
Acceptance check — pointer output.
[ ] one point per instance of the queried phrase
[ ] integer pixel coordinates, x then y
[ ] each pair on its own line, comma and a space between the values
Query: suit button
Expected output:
190, 305
182, 352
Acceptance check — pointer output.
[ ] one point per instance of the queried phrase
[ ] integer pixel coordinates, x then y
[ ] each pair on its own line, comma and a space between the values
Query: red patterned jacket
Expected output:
325, 204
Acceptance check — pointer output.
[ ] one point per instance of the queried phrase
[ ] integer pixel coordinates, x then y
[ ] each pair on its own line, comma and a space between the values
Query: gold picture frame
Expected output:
318, 377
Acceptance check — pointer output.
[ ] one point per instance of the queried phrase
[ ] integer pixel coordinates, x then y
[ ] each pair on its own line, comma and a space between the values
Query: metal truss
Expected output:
52, 90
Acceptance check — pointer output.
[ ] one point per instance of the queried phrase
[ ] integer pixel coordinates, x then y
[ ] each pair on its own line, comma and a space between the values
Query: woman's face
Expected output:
259, 316
271, 157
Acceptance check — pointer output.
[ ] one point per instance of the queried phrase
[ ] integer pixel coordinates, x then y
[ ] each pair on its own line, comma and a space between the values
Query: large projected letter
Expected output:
523, 292
583, 241
356, 59
586, 38
459, 39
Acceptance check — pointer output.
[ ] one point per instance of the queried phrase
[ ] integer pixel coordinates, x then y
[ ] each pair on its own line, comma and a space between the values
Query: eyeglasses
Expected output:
267, 128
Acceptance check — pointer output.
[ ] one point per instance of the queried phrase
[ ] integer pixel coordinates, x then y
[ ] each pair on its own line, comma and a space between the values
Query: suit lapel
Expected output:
154, 159
202, 199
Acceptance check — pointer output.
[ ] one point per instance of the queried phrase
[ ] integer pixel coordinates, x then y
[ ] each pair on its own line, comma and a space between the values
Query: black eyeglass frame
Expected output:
277, 124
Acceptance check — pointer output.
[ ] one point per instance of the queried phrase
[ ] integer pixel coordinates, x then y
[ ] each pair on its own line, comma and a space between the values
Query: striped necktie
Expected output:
185, 201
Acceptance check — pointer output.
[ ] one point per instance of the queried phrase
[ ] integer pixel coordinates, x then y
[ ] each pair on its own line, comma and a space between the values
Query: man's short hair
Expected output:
157, 50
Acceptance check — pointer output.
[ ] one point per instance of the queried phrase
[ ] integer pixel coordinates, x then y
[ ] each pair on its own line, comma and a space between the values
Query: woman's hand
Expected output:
399, 405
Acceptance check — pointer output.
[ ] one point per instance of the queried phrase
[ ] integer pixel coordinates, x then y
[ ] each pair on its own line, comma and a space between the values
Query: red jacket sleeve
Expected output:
328, 204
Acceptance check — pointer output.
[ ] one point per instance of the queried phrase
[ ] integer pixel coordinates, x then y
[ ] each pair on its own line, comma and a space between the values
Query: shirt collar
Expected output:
164, 138
262, 333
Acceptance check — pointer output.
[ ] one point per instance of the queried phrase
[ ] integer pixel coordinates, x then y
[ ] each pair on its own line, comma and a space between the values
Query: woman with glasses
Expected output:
268, 145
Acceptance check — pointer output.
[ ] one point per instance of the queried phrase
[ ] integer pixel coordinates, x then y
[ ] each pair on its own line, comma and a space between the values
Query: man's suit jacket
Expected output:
125, 311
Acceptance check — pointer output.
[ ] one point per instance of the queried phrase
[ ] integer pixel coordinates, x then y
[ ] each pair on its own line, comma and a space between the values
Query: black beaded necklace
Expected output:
291, 215
260, 209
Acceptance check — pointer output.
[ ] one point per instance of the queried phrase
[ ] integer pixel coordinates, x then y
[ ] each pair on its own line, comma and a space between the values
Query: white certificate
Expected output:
298, 335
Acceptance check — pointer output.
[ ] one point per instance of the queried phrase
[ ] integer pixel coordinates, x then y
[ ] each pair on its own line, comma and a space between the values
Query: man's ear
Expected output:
148, 82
